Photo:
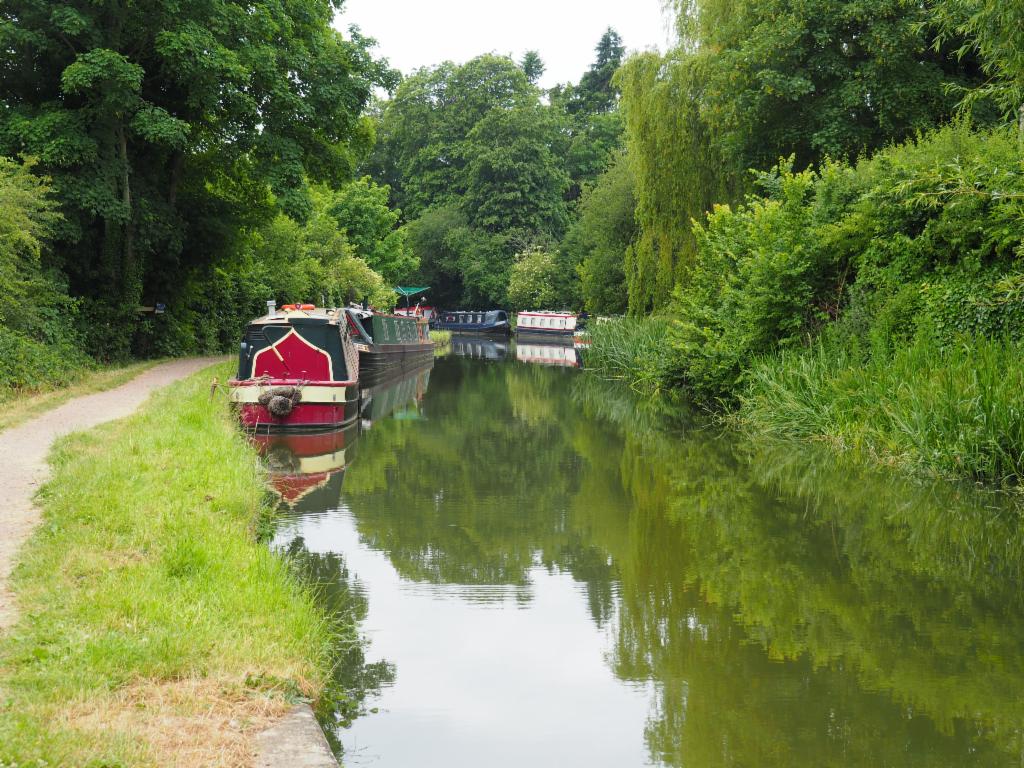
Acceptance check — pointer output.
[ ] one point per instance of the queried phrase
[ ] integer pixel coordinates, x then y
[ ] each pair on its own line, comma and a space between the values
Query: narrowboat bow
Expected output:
298, 369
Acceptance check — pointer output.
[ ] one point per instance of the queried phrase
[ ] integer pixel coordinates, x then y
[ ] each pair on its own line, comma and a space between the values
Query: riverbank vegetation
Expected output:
853, 279
155, 629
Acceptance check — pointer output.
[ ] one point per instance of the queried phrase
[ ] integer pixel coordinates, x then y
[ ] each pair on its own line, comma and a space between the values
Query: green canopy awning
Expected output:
410, 291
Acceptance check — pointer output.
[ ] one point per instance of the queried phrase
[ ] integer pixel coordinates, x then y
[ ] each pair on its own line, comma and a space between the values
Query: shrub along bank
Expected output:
155, 629
876, 305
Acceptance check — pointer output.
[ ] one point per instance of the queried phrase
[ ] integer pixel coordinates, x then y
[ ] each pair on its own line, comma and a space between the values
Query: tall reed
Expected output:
634, 351
954, 411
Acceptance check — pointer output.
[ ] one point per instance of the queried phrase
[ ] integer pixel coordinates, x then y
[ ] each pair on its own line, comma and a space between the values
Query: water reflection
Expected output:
481, 347
558, 355
563, 576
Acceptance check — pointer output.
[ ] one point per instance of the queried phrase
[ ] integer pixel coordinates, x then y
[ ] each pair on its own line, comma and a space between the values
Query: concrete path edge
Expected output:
295, 742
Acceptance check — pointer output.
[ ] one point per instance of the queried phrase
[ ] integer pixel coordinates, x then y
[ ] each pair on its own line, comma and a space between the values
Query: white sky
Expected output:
416, 33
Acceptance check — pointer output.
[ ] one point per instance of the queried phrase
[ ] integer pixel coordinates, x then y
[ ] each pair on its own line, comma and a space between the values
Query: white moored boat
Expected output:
551, 325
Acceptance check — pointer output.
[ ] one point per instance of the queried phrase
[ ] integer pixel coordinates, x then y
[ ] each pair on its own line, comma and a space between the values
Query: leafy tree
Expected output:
27, 221
994, 32
361, 209
533, 280
514, 179
752, 81
678, 172
442, 241
598, 240
422, 150
533, 66
138, 110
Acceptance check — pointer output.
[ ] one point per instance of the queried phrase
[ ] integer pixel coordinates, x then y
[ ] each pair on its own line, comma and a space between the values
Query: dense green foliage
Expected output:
752, 81
483, 167
173, 135
604, 230
898, 267
37, 338
534, 280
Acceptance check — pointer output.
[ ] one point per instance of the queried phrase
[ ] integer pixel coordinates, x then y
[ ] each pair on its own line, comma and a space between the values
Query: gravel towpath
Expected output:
26, 447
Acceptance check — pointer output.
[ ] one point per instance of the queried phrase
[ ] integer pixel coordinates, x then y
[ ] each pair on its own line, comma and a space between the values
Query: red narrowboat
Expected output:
298, 369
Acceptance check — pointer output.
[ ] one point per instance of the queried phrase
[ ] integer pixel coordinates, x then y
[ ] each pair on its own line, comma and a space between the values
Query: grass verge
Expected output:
155, 630
18, 406
955, 412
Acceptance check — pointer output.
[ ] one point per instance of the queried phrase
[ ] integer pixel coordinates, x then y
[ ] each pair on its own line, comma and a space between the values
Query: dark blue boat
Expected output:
493, 322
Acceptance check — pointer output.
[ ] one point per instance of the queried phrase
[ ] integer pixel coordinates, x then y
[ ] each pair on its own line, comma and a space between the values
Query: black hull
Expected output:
382, 362
462, 330
546, 337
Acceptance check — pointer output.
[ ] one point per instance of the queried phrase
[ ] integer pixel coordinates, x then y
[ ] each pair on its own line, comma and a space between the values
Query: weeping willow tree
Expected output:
676, 166
753, 81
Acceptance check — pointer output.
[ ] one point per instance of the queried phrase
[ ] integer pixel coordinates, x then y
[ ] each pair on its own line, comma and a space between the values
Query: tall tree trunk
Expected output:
130, 276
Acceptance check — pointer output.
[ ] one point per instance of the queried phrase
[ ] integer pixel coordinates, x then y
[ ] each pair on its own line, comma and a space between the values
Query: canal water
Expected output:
548, 573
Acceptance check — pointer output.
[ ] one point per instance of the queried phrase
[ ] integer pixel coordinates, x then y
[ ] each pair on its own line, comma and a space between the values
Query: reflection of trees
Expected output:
485, 492
344, 603
914, 591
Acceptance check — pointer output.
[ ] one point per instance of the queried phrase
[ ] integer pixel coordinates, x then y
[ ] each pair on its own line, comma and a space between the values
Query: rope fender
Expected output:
279, 401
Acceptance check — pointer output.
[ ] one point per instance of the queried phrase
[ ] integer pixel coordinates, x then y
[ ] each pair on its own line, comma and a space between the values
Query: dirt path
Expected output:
26, 447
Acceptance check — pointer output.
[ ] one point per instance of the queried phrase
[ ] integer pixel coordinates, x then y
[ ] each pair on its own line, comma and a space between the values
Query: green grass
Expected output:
154, 628
18, 406
955, 412
442, 339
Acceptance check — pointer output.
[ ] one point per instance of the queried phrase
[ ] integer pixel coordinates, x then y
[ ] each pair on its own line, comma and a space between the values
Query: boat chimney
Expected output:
271, 308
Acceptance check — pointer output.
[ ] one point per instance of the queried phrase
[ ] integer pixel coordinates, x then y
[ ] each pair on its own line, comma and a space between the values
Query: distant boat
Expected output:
493, 321
298, 369
547, 325
389, 344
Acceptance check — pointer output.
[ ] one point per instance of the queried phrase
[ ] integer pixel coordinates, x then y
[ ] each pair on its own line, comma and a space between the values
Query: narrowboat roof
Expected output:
298, 317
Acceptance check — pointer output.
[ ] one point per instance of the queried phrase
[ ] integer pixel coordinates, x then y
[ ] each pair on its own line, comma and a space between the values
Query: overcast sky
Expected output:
416, 33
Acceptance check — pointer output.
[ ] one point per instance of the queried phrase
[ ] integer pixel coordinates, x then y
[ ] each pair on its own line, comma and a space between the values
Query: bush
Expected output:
924, 240
33, 366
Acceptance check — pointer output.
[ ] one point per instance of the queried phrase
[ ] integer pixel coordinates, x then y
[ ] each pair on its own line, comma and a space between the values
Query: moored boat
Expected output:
560, 326
492, 322
298, 369
388, 344
418, 310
